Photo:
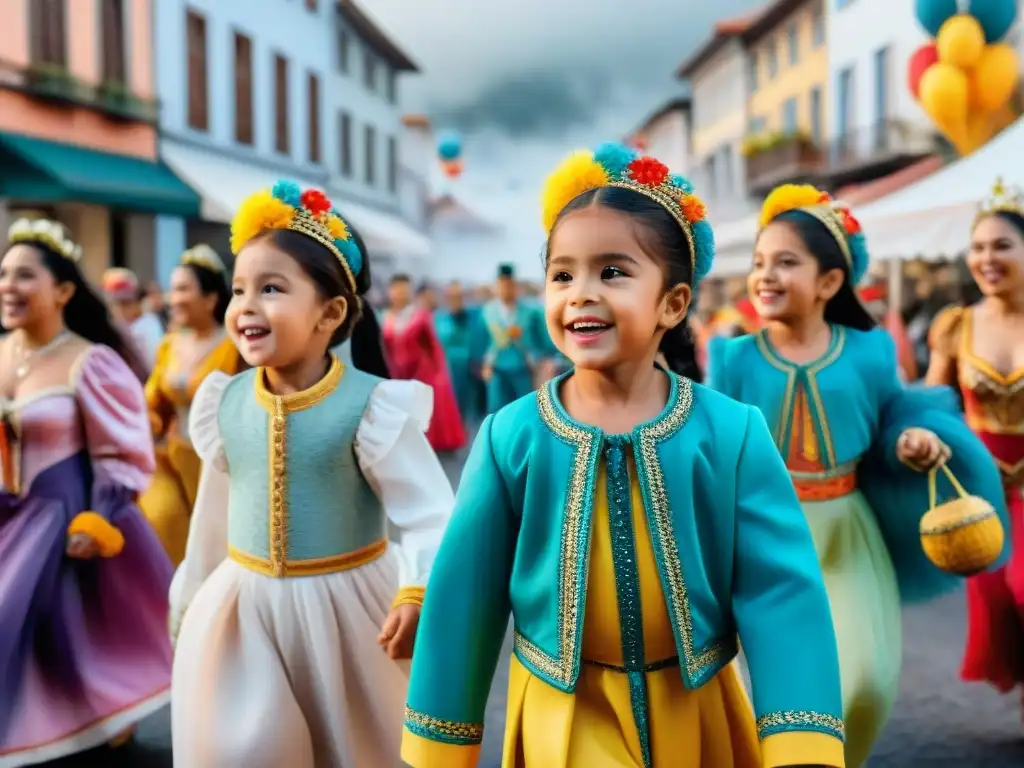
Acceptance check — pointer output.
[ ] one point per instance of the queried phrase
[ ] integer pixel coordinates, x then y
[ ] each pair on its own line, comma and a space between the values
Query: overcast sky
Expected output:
526, 81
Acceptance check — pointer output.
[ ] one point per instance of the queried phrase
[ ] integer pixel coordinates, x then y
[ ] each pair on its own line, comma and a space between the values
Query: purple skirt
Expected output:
84, 647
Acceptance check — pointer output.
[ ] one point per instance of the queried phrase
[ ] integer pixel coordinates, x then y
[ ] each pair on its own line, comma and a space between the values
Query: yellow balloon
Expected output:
960, 41
943, 95
995, 77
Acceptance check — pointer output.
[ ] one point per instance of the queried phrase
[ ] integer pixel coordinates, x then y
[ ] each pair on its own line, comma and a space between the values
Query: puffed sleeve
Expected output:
207, 544
405, 473
944, 335
782, 613
160, 409
464, 619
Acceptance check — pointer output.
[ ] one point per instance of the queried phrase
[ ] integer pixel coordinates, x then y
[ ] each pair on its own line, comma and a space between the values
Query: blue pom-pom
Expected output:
932, 14
288, 192
681, 182
352, 254
614, 158
704, 242
995, 16
859, 256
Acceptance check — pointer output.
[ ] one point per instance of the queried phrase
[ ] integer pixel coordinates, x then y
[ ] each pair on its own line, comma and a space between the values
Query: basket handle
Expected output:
932, 473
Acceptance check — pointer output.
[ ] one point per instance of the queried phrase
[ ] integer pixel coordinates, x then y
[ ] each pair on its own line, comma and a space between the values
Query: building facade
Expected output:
667, 135
78, 137
273, 89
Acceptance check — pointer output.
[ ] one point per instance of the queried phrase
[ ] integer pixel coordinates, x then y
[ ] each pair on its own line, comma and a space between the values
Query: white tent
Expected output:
933, 217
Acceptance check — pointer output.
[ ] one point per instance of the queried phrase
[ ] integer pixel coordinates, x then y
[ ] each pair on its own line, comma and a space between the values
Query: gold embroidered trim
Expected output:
793, 720
299, 401
443, 730
278, 504
313, 566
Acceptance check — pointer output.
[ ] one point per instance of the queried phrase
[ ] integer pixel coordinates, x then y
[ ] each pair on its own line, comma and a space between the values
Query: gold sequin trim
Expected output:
278, 511
443, 730
775, 722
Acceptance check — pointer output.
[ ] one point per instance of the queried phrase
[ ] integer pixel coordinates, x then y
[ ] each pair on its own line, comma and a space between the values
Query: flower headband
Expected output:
835, 216
202, 255
285, 206
1002, 198
44, 232
615, 165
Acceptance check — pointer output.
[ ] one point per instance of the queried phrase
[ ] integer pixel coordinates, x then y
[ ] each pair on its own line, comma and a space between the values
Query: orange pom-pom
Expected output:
92, 524
693, 208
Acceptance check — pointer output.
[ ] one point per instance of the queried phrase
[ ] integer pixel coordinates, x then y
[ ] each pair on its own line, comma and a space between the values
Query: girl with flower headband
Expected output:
981, 350
84, 654
633, 522
197, 346
855, 441
294, 608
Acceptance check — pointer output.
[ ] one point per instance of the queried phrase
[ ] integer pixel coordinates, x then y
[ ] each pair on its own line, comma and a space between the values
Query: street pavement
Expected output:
938, 722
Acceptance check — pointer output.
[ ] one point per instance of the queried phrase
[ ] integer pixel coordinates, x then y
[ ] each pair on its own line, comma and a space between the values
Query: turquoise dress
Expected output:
511, 342
836, 421
456, 331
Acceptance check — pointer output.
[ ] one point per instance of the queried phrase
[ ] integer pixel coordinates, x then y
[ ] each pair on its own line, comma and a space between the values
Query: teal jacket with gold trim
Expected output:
733, 551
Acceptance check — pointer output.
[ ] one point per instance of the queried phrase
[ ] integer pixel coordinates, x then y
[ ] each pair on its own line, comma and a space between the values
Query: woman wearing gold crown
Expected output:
319, 510
83, 580
857, 444
981, 350
196, 347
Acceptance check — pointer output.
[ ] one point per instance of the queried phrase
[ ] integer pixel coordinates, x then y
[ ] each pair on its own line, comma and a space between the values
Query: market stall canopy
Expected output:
933, 217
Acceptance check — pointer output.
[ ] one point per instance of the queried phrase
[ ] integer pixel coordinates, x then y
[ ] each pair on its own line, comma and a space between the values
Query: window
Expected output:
392, 81
392, 164
344, 44
345, 143
793, 36
370, 148
773, 59
114, 69
49, 40
370, 70
881, 85
711, 177
727, 177
844, 102
818, 28
816, 133
282, 136
198, 98
789, 116
313, 94
757, 126
243, 90
752, 71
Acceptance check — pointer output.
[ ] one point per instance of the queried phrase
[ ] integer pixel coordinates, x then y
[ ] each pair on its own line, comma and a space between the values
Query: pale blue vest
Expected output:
299, 504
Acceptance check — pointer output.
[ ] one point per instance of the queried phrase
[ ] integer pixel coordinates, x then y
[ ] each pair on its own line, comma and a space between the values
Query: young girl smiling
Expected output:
633, 523
854, 440
289, 577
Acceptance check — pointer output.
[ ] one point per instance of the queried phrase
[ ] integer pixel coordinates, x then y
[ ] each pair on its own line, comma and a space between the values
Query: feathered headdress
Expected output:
52, 234
616, 165
286, 206
834, 215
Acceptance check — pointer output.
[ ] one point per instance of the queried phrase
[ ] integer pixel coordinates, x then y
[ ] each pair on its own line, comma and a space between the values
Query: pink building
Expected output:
78, 117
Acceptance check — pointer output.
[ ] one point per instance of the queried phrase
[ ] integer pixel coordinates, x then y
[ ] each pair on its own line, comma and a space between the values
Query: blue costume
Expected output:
457, 331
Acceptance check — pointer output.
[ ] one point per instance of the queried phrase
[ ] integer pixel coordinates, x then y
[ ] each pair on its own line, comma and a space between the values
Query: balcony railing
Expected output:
787, 159
884, 143
48, 82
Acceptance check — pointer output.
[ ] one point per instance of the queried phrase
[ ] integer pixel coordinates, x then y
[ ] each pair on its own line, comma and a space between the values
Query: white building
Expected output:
464, 243
666, 134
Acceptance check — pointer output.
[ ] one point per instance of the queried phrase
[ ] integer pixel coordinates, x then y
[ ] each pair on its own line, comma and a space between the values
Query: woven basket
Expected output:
963, 536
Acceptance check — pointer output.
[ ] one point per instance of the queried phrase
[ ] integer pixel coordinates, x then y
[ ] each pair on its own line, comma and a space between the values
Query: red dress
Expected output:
415, 353
994, 408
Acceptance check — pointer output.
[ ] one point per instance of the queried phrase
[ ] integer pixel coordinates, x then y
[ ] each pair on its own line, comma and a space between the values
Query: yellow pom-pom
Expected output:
337, 228
109, 539
577, 174
259, 212
788, 197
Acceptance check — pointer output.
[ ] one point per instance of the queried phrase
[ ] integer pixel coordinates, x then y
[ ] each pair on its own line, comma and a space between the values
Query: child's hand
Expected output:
82, 546
921, 449
399, 631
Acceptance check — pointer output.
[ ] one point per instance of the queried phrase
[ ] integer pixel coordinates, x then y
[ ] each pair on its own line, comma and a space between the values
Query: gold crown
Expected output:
1009, 199
45, 232
203, 255
307, 225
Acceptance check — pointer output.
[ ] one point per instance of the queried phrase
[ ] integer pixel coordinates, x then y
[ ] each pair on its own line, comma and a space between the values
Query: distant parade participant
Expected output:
84, 653
458, 325
980, 349
857, 443
125, 296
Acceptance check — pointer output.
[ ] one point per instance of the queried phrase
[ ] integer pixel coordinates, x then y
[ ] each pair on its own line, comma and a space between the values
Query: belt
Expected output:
835, 484
311, 567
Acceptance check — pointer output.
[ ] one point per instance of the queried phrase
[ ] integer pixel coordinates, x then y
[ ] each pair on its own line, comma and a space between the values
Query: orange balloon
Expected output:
994, 79
943, 96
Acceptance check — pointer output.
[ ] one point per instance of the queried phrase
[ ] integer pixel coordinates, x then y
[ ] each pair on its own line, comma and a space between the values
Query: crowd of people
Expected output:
229, 498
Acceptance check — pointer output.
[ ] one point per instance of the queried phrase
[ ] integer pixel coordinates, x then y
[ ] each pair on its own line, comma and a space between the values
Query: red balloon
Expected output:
920, 61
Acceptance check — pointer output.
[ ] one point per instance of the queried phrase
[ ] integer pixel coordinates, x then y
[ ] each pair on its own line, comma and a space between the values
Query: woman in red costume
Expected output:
415, 353
981, 348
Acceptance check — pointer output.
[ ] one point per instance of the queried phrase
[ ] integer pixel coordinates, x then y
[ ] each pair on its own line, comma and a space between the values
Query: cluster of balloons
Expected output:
449, 152
965, 79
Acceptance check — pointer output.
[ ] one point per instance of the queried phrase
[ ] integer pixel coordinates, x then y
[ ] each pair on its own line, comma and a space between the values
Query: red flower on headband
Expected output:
825, 198
647, 170
693, 208
315, 201
850, 224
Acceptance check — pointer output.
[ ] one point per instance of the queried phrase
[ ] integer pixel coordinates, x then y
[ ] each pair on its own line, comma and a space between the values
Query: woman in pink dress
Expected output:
415, 353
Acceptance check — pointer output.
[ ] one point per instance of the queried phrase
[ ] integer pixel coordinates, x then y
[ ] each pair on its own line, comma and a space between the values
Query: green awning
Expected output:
44, 171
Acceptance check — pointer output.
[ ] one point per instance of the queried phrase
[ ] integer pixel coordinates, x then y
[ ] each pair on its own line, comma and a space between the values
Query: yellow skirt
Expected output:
168, 501
712, 727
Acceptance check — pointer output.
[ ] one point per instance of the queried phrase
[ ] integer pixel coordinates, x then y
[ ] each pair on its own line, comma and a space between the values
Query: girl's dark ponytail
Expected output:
680, 352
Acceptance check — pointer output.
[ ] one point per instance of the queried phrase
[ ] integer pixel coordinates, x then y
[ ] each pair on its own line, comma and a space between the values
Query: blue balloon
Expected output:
932, 14
995, 16
449, 147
